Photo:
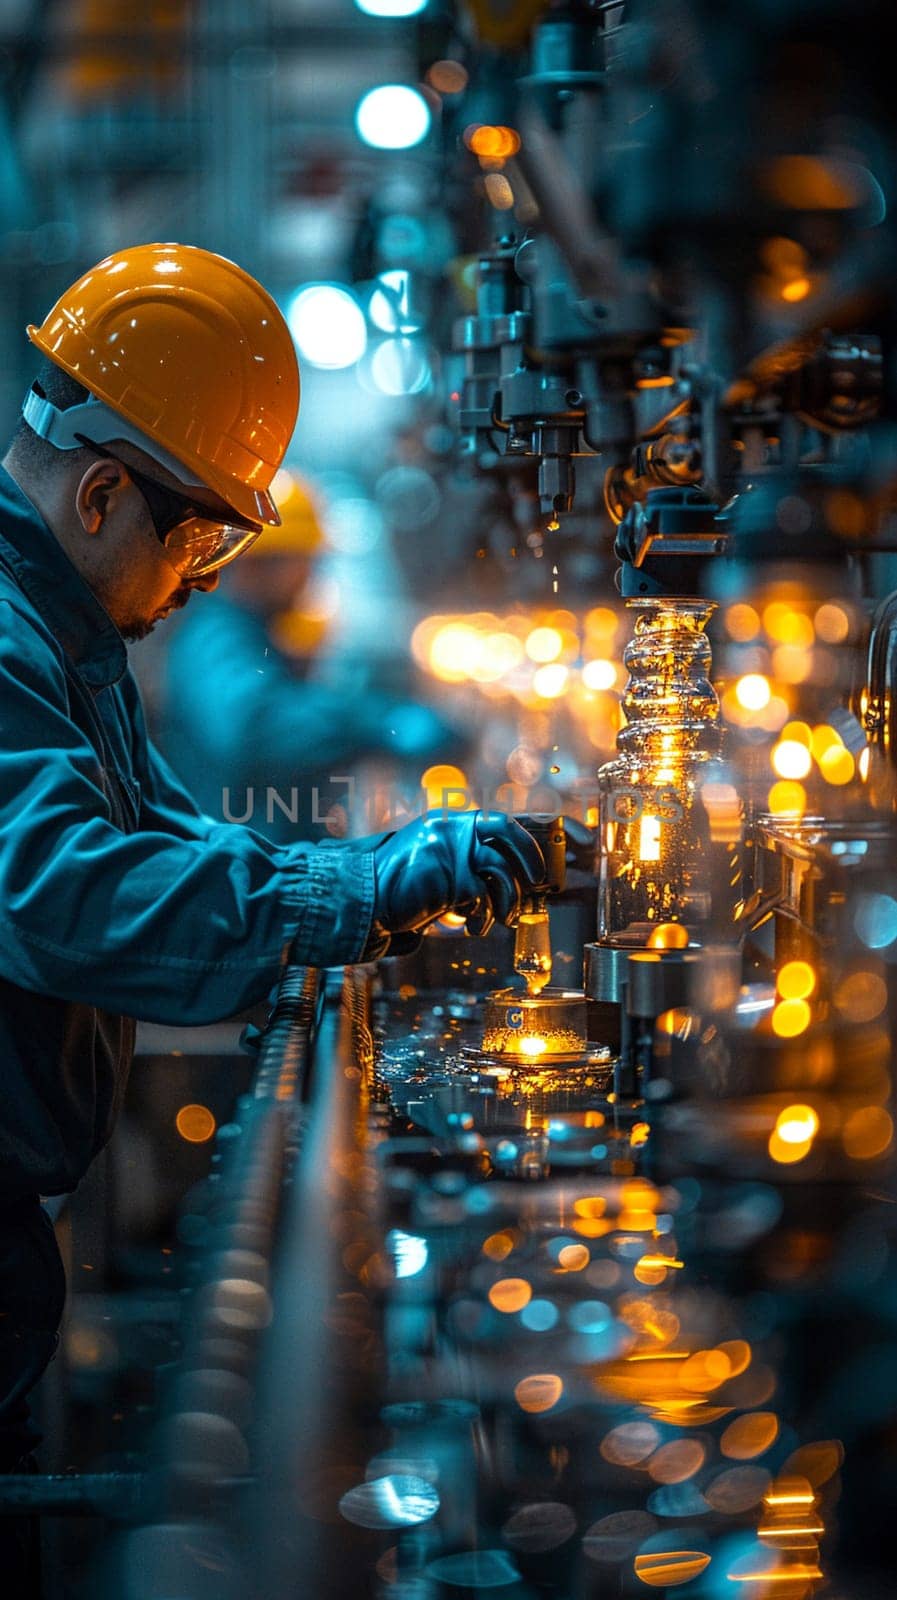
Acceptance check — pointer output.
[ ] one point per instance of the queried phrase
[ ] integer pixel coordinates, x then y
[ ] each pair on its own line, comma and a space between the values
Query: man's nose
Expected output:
207, 582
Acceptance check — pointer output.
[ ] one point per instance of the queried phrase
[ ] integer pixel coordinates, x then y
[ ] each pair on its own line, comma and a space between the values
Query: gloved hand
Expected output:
473, 862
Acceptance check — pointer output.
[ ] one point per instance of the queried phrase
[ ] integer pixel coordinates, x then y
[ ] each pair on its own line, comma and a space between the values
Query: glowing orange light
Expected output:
868, 1133
863, 762
753, 691
791, 663
667, 1568
599, 674
790, 1491
531, 1044
500, 653
787, 1154
787, 626
510, 1294
791, 759
797, 1124
652, 1268
574, 1257
454, 651
602, 622
445, 786
837, 765
549, 682
498, 1246
817, 1462
750, 1435
790, 1018
539, 1392
742, 623
799, 732
824, 738
649, 838
705, 1370
832, 623
797, 289
492, 143
796, 980
738, 1355
668, 936
195, 1123
787, 799
861, 996
544, 644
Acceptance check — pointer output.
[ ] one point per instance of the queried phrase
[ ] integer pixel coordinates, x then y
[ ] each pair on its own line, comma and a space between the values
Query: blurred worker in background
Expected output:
164, 404
267, 746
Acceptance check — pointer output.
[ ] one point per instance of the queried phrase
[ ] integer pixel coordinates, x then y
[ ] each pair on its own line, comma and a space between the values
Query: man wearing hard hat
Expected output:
142, 464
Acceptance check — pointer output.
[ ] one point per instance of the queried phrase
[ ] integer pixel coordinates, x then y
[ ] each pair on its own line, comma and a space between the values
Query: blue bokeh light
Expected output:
392, 117
328, 325
392, 8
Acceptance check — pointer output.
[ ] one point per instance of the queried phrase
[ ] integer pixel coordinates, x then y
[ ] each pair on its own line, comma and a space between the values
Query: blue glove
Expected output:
472, 862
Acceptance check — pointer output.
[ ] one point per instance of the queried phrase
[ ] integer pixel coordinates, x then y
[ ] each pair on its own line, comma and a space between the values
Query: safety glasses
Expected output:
193, 541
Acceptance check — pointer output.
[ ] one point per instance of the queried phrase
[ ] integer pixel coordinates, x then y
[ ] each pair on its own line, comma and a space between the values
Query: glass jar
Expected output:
670, 823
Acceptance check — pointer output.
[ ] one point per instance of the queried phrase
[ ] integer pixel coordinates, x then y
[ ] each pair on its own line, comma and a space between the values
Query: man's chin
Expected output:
137, 630
140, 627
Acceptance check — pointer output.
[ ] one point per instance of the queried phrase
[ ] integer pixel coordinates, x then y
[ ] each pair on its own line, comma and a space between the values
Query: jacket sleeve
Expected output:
157, 924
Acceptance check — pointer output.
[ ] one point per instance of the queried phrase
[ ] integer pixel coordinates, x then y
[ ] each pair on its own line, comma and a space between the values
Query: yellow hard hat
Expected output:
186, 356
300, 531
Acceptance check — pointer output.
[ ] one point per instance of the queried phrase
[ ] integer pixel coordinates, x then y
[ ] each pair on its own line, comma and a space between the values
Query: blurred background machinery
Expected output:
559, 1264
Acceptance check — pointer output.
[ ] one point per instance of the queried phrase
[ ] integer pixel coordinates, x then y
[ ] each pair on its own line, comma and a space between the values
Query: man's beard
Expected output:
141, 626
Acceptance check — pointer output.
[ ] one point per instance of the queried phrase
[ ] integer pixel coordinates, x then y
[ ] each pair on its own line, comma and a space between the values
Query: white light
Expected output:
391, 8
328, 325
392, 117
599, 674
409, 1251
400, 366
389, 307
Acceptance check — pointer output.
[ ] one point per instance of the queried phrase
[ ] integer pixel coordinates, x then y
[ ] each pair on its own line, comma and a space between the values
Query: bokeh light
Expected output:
753, 691
392, 117
796, 980
790, 1017
868, 1133
328, 325
539, 1392
791, 759
195, 1124
492, 143
510, 1294
392, 8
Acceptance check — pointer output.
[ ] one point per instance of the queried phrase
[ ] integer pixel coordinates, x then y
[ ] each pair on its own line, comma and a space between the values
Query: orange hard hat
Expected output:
300, 531
192, 355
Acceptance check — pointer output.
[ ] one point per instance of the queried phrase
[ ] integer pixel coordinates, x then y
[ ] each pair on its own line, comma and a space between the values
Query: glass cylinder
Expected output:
532, 945
670, 828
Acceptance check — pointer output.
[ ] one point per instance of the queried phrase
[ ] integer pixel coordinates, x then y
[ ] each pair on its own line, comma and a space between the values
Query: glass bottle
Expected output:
670, 829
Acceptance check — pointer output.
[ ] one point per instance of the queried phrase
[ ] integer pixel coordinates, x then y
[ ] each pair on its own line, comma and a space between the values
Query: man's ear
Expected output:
98, 485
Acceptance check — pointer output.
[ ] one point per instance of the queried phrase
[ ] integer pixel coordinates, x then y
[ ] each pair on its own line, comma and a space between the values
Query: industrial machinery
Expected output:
583, 1289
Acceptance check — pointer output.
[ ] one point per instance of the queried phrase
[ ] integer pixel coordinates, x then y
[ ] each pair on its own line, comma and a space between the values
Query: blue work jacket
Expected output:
119, 899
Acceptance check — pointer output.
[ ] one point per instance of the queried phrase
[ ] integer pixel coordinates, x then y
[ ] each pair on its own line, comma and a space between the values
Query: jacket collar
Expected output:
69, 607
